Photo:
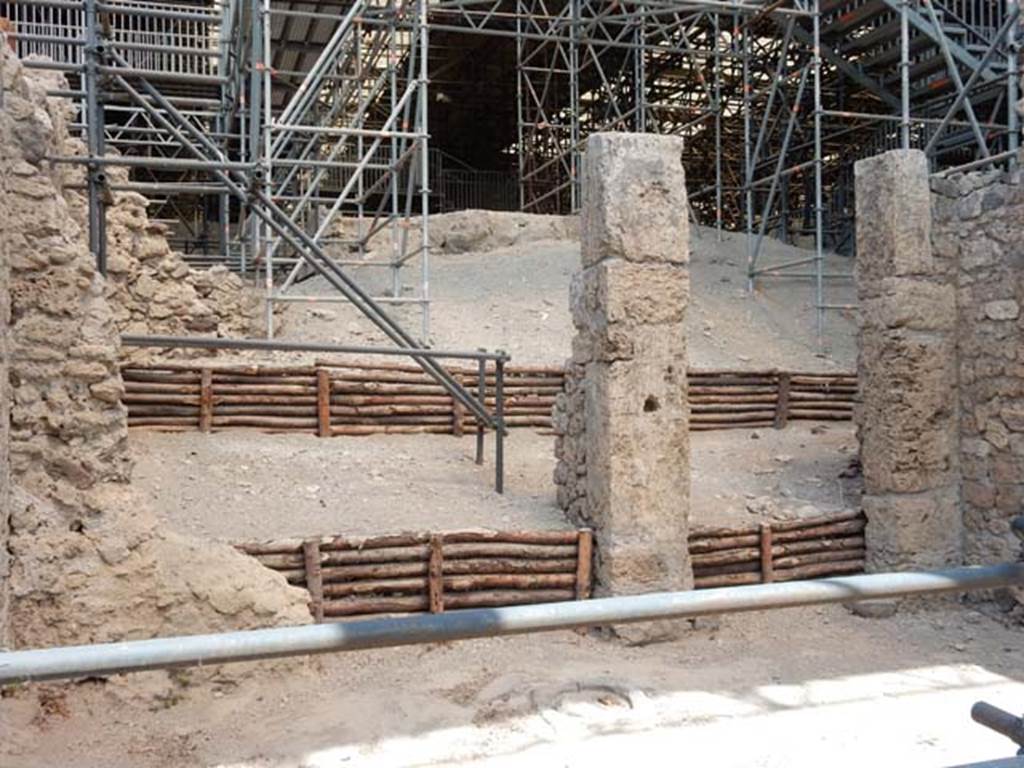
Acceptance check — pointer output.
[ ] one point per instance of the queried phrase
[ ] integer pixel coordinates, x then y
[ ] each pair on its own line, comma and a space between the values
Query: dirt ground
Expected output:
849, 692
243, 485
517, 299
745, 691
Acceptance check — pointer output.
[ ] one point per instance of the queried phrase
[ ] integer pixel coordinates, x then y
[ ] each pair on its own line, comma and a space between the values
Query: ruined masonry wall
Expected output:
906, 417
152, 290
5, 393
88, 562
468, 231
977, 226
149, 287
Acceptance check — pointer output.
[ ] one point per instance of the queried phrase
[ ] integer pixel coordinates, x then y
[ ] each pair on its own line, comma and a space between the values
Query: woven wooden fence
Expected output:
327, 399
360, 399
748, 399
434, 572
420, 572
778, 551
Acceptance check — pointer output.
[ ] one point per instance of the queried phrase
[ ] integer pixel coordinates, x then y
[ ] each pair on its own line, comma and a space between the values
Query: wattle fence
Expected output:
435, 572
420, 572
351, 398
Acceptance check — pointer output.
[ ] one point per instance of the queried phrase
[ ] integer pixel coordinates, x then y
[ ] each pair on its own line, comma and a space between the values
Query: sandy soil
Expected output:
850, 692
517, 299
748, 691
244, 485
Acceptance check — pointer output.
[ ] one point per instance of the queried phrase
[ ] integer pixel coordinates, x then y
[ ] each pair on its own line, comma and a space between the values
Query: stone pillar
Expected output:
628, 450
907, 370
5, 394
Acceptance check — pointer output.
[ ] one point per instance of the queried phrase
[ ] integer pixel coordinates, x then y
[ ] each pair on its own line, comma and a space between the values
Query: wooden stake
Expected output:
435, 574
767, 571
584, 555
314, 580
323, 402
458, 417
206, 400
782, 404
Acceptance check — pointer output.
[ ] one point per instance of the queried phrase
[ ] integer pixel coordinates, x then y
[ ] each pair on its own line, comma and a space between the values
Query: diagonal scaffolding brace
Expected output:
294, 235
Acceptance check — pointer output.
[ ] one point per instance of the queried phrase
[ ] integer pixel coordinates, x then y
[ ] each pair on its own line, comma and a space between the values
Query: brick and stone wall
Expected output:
623, 444
978, 225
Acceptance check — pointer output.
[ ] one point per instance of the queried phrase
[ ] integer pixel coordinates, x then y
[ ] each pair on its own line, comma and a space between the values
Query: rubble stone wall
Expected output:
5, 394
906, 417
150, 288
88, 561
978, 225
623, 431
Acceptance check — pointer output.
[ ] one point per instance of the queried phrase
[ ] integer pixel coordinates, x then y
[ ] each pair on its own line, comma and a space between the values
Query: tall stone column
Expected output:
907, 416
629, 447
5, 386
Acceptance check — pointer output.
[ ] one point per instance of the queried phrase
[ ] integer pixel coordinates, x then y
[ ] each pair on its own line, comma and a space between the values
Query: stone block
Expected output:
911, 303
979, 494
634, 199
914, 530
1003, 309
893, 219
631, 293
908, 415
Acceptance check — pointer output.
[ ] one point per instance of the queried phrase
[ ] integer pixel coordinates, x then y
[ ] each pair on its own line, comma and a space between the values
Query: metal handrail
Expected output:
228, 647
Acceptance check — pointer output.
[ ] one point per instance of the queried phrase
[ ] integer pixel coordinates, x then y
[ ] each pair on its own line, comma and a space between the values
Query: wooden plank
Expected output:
782, 404
767, 571
323, 402
206, 400
314, 580
435, 574
584, 557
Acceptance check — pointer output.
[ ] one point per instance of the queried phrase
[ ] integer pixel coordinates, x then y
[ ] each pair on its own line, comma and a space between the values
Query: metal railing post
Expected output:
96, 176
499, 422
481, 393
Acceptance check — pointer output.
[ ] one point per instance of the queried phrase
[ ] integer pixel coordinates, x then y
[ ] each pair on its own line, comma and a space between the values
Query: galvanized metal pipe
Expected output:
1004, 723
276, 219
1012, 14
499, 423
905, 74
210, 342
1012, 83
96, 179
161, 653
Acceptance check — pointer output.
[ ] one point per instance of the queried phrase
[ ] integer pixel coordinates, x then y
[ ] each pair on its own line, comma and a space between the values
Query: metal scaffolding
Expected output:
324, 110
